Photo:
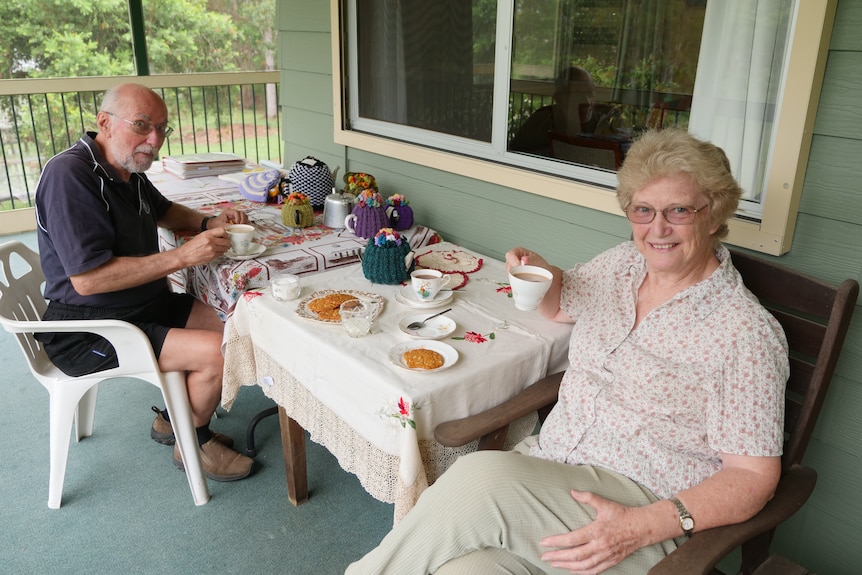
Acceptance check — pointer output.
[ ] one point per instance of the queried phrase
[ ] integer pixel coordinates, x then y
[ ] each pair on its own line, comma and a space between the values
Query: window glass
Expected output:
588, 76
426, 64
564, 86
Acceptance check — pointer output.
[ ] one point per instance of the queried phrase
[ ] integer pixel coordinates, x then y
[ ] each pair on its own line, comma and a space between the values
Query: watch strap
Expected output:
206, 221
686, 521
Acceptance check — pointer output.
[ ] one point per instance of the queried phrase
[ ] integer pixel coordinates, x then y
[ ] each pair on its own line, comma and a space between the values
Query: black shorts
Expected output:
82, 353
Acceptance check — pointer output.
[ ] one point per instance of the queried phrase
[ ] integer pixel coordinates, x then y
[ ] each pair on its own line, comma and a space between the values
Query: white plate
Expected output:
303, 311
405, 296
435, 328
256, 250
450, 355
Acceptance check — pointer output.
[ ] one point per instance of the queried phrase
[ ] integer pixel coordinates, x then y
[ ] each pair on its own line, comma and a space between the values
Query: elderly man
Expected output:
97, 216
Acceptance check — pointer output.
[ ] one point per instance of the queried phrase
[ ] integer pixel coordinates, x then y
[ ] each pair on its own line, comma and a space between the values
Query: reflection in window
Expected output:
587, 77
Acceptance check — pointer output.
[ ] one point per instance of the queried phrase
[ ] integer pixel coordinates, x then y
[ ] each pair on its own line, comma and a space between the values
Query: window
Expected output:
546, 95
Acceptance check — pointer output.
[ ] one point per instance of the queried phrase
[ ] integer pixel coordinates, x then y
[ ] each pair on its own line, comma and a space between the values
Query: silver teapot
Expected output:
336, 207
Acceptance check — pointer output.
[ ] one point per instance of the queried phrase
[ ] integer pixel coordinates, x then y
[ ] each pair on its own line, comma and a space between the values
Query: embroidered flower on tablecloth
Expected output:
506, 289
251, 294
475, 337
402, 413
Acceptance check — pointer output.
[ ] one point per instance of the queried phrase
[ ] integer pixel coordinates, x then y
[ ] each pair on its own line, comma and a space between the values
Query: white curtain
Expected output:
734, 105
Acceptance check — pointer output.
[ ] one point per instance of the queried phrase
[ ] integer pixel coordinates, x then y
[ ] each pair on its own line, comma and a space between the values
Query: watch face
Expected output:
687, 524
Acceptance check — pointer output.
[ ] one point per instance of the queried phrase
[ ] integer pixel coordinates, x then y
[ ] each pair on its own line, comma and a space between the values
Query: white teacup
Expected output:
529, 285
240, 238
285, 287
427, 284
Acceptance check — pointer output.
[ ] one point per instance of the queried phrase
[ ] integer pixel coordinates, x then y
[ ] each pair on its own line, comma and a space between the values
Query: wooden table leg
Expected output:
293, 448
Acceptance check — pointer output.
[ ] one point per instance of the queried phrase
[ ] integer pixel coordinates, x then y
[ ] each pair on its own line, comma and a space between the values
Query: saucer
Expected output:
434, 328
449, 353
405, 296
256, 250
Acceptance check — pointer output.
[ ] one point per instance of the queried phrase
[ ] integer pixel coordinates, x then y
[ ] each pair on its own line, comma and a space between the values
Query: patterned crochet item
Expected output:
384, 258
368, 215
357, 182
296, 212
454, 262
449, 261
400, 213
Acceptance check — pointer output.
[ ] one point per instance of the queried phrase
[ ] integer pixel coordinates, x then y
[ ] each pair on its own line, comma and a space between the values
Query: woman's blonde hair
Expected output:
671, 152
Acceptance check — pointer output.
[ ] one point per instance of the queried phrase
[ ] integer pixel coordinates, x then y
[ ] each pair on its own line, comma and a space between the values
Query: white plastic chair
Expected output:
73, 399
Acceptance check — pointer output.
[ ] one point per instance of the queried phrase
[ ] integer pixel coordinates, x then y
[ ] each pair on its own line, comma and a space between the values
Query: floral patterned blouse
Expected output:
702, 374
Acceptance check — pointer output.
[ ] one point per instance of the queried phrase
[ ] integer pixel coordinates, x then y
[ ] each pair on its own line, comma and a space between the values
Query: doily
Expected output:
450, 262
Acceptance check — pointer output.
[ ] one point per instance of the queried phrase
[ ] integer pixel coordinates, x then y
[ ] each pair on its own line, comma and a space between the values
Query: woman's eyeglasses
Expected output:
677, 215
144, 128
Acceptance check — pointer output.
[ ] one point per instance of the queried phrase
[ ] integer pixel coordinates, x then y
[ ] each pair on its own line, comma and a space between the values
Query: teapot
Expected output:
365, 221
336, 208
388, 258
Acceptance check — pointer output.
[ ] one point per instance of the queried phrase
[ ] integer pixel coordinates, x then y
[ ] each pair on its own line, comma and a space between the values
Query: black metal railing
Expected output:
236, 113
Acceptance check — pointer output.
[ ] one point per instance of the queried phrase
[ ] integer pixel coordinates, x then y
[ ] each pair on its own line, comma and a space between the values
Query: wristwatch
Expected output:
206, 221
686, 521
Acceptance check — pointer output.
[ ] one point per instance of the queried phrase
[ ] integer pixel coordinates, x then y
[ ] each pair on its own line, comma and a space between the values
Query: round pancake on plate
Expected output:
421, 358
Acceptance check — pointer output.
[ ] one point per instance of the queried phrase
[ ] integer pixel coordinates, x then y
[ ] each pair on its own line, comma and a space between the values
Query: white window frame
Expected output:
773, 234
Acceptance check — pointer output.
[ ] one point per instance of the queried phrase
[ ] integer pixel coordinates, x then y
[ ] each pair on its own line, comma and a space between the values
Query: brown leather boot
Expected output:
220, 463
162, 431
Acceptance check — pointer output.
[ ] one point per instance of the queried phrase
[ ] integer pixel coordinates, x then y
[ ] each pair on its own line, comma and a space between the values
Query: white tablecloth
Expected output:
376, 417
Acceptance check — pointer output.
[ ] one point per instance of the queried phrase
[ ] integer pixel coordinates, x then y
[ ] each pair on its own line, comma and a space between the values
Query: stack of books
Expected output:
187, 166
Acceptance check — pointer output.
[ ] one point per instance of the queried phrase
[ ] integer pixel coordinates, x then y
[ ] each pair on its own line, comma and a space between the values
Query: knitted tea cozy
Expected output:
370, 215
297, 212
401, 217
383, 260
357, 182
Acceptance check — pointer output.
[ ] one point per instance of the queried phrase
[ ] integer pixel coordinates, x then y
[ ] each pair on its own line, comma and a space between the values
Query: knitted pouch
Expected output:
257, 185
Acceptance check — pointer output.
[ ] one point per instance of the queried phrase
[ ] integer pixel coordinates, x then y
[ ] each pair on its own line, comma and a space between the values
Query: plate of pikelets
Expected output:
424, 355
323, 305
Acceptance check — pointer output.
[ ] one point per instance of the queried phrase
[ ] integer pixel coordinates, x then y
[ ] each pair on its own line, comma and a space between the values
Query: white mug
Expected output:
240, 238
427, 283
529, 285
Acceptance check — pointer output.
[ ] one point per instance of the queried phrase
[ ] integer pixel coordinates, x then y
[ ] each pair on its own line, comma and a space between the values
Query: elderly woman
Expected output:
670, 415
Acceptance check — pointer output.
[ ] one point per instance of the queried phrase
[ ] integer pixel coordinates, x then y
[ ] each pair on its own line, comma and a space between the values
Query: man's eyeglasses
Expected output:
677, 215
144, 128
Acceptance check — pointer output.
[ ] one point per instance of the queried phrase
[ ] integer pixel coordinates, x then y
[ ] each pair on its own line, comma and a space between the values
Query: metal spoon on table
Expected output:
421, 324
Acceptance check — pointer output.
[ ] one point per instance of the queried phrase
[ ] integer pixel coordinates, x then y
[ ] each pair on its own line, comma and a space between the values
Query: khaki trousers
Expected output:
488, 512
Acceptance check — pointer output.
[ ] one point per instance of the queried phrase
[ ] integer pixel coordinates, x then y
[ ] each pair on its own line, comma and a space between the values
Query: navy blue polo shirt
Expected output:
86, 215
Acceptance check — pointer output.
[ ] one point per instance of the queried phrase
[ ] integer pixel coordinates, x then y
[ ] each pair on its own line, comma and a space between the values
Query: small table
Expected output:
375, 417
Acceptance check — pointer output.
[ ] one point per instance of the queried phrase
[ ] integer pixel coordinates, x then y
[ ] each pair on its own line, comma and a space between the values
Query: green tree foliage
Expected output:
68, 38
